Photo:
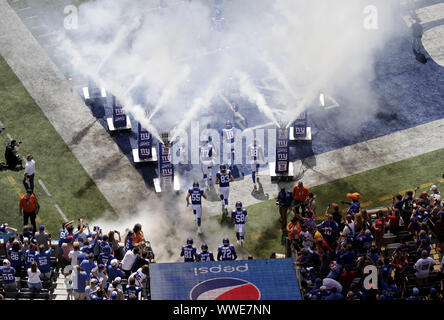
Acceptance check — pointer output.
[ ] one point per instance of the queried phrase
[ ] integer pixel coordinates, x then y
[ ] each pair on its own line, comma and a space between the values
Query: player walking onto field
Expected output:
205, 255
223, 179
189, 252
207, 156
228, 136
226, 251
239, 217
196, 195
253, 152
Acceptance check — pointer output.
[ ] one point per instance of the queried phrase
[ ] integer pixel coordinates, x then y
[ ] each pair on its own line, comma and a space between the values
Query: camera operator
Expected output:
283, 200
11, 156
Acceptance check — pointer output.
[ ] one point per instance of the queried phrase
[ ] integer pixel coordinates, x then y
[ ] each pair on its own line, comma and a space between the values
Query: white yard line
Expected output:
44, 188
61, 212
9, 136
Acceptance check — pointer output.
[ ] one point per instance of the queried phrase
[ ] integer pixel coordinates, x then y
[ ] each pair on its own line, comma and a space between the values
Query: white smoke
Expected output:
172, 59
167, 225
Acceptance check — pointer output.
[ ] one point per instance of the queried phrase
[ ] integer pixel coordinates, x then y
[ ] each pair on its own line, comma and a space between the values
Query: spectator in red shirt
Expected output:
395, 221
346, 278
379, 228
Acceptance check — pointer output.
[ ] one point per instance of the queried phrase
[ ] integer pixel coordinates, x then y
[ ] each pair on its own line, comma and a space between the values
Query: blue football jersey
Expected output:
29, 257
227, 252
189, 253
239, 216
105, 258
44, 261
206, 256
15, 257
62, 236
7, 274
196, 196
224, 179
135, 290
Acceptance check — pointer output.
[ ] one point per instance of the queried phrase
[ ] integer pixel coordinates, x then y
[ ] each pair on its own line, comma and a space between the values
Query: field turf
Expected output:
69, 185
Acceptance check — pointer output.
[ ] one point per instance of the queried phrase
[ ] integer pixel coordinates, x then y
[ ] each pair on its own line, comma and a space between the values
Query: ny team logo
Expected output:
225, 289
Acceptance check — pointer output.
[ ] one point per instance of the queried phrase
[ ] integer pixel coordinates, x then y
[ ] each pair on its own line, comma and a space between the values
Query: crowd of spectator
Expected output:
397, 240
331, 256
93, 264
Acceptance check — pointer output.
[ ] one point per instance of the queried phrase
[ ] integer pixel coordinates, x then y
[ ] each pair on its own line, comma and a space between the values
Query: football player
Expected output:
228, 136
239, 217
223, 179
254, 151
205, 255
196, 195
189, 252
226, 251
207, 156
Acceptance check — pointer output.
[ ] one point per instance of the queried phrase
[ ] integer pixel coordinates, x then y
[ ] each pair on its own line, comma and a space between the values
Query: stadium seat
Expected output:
404, 236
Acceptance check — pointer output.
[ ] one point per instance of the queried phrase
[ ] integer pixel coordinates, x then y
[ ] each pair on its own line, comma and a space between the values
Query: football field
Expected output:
409, 96
62, 186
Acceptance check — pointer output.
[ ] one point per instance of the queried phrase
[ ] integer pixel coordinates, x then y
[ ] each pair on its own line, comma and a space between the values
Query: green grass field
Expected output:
70, 186
377, 187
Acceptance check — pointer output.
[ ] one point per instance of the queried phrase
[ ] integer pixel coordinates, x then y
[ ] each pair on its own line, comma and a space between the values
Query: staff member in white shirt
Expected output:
29, 173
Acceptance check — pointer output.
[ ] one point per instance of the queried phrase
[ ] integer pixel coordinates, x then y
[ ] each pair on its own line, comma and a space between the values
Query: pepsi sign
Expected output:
271, 279
225, 289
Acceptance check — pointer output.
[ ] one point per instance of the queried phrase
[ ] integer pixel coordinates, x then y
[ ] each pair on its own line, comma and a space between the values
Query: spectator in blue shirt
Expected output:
100, 294
334, 295
424, 245
114, 271
389, 290
43, 259
284, 202
80, 281
348, 257
88, 264
414, 295
15, 256
133, 289
386, 270
8, 276
329, 230
30, 255
374, 254
105, 257
128, 242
